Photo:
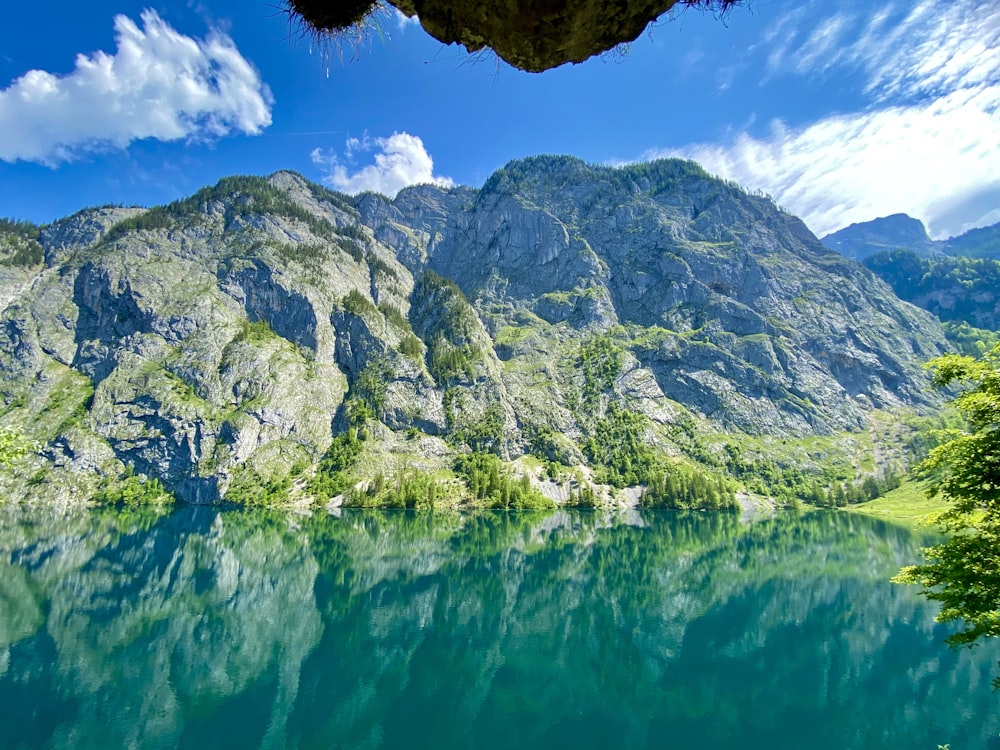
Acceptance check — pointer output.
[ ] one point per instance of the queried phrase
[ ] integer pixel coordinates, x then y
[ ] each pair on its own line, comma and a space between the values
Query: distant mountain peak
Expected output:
864, 239
902, 232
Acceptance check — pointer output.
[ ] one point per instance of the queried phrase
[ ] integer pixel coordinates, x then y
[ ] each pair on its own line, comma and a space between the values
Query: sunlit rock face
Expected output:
214, 343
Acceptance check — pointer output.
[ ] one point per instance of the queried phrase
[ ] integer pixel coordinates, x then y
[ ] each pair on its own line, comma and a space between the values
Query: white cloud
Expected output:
403, 21
399, 160
936, 47
819, 49
853, 168
929, 140
159, 84
780, 37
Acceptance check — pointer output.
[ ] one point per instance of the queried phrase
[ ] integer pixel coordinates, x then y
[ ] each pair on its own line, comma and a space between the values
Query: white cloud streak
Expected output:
159, 84
938, 47
929, 140
853, 168
399, 160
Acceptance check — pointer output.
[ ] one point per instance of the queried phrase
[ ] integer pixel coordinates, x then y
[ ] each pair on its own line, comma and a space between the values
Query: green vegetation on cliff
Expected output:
266, 340
958, 290
333, 472
240, 196
617, 448
134, 491
489, 481
19, 244
448, 324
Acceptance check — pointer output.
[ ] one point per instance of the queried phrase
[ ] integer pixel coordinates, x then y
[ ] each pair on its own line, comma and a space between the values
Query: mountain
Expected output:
605, 327
957, 290
976, 243
864, 239
957, 279
902, 232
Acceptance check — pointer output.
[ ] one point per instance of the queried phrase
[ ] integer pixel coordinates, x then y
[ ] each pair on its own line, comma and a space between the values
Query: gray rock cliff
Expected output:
222, 338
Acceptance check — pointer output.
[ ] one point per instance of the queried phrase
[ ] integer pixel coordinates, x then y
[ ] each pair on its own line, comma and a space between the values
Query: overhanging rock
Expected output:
533, 35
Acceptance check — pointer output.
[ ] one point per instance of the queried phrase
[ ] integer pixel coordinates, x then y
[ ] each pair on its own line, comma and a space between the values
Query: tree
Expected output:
963, 572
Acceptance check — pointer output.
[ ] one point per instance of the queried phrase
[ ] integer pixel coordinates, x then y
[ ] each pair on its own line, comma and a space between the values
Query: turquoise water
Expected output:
205, 628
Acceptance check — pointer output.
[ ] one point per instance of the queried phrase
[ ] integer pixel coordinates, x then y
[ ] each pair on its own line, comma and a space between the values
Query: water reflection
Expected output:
387, 630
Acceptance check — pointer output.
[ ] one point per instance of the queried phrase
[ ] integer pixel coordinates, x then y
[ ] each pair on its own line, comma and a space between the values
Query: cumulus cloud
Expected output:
399, 160
928, 144
159, 84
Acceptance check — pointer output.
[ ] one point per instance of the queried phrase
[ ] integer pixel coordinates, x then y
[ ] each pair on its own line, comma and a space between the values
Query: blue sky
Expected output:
843, 110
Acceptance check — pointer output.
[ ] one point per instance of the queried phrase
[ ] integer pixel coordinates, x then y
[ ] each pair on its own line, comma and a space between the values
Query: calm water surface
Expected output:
205, 628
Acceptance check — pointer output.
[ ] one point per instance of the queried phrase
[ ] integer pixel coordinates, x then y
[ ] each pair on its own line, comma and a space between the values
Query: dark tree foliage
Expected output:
410, 346
380, 267
407, 489
394, 316
544, 444
488, 480
955, 289
969, 340
358, 304
600, 359
482, 435
584, 497
239, 196
621, 457
25, 229
367, 396
250, 490
448, 324
332, 474
546, 172
963, 572
681, 487
788, 483
983, 242
19, 243
133, 490
618, 450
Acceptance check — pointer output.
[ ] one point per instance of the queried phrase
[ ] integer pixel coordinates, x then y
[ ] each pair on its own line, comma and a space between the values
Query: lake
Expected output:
234, 629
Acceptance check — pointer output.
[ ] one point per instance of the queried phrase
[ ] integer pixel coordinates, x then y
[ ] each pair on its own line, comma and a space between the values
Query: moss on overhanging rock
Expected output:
532, 35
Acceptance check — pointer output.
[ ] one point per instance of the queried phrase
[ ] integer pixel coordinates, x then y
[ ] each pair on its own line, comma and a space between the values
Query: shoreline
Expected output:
907, 504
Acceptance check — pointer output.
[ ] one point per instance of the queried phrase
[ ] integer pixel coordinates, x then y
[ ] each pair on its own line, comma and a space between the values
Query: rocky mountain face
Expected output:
221, 342
901, 232
866, 238
957, 279
958, 290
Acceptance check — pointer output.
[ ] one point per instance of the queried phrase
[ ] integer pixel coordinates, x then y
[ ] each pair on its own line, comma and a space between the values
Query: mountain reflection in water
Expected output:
240, 629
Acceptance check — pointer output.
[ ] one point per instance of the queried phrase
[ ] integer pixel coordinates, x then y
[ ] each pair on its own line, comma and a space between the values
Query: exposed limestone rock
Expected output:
81, 230
220, 340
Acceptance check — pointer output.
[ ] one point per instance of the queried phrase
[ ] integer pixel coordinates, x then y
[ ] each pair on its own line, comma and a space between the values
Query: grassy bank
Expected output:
908, 503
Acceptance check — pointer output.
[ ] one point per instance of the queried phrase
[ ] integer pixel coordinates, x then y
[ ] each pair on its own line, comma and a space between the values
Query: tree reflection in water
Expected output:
255, 629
